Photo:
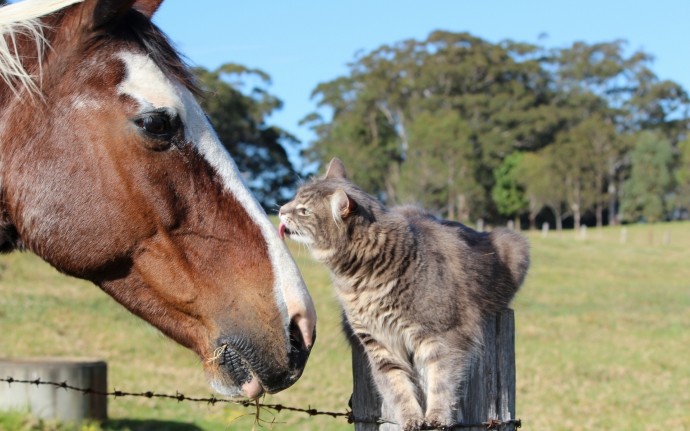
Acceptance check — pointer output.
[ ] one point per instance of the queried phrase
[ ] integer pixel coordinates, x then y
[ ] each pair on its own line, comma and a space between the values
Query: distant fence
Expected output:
487, 401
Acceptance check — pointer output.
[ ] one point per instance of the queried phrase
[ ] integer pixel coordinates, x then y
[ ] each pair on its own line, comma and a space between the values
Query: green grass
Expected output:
603, 331
603, 339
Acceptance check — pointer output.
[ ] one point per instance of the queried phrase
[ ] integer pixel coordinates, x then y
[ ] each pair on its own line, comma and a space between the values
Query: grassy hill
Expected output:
603, 340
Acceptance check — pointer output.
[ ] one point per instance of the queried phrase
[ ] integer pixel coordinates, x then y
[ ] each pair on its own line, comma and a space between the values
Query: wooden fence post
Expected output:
488, 392
49, 402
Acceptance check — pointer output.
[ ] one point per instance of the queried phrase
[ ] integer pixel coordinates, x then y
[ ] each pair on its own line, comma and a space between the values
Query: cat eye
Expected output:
303, 211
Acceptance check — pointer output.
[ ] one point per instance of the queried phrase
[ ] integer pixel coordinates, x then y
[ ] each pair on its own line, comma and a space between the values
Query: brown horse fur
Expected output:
148, 220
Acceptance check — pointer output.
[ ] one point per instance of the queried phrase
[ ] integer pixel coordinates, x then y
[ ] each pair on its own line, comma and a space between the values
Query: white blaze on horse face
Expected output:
146, 83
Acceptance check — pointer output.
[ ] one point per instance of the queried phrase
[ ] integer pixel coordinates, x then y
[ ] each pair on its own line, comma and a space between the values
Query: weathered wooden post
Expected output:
487, 394
50, 402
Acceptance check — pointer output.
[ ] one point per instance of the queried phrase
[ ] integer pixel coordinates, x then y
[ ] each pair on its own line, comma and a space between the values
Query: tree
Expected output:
508, 193
436, 120
239, 118
595, 87
594, 152
438, 171
682, 175
535, 173
646, 190
393, 96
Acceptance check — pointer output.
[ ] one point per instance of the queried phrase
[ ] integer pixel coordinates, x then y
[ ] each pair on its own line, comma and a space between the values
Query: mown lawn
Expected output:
603, 340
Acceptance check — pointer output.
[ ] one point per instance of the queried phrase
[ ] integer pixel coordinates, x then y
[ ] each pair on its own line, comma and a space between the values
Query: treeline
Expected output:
472, 129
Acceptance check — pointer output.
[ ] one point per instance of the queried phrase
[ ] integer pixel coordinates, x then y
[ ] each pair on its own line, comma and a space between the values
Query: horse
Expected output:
111, 172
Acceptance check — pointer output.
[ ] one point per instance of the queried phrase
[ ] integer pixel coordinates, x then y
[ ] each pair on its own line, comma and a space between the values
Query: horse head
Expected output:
111, 172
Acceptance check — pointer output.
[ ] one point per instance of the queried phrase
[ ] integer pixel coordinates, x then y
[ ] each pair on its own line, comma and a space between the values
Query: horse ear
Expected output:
147, 7
107, 13
342, 205
336, 169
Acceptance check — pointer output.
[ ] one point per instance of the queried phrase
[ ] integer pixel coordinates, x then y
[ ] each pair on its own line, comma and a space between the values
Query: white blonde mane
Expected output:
23, 18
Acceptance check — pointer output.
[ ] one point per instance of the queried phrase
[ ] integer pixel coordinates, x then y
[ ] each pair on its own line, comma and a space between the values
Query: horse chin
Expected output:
235, 374
251, 389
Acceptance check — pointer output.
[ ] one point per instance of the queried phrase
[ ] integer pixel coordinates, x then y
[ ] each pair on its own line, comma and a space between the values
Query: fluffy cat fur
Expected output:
414, 289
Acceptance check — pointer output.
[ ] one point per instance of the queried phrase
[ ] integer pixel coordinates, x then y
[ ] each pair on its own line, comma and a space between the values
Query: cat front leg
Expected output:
443, 369
393, 379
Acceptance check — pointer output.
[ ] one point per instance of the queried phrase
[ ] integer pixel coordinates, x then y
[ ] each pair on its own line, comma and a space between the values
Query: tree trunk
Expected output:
532, 221
559, 220
392, 180
613, 216
575, 206
599, 209
451, 189
463, 212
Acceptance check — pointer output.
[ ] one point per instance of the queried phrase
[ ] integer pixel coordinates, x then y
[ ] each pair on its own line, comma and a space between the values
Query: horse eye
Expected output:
156, 125
159, 125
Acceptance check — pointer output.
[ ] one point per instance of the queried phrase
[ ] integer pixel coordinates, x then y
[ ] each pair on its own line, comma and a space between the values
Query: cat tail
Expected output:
513, 251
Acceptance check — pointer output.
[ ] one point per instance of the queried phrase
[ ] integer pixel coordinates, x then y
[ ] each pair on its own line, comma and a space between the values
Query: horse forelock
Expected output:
23, 19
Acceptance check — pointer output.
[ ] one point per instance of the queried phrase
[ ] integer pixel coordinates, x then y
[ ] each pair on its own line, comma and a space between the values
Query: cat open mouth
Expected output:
283, 230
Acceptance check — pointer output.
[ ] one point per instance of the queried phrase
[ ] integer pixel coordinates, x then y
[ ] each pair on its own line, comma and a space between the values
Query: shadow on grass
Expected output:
147, 425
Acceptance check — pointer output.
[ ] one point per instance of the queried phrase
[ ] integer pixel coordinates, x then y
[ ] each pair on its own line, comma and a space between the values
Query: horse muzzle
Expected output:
246, 367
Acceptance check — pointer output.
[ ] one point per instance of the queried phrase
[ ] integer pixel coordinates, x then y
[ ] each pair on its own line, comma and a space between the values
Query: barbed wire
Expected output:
491, 424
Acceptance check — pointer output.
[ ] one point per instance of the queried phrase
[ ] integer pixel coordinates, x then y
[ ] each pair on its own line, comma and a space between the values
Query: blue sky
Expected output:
303, 42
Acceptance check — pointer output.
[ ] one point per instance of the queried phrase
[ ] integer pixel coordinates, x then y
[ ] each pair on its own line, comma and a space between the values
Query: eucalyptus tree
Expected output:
535, 173
437, 120
682, 175
646, 191
451, 107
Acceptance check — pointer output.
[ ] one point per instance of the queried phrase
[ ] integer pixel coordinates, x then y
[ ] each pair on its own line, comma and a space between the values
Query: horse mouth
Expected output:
253, 372
233, 359
235, 364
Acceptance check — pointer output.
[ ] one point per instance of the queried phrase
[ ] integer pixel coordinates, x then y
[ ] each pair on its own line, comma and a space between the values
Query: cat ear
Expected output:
336, 169
342, 205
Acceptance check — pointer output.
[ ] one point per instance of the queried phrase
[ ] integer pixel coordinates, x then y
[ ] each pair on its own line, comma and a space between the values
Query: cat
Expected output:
413, 288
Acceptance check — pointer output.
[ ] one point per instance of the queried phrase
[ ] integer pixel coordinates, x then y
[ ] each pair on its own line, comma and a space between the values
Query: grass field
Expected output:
603, 341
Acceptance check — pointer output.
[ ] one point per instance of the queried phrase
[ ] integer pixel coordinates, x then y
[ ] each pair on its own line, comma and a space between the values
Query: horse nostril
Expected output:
296, 338
305, 328
299, 349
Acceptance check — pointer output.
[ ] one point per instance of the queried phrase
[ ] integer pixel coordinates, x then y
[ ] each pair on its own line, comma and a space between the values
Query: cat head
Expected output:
323, 210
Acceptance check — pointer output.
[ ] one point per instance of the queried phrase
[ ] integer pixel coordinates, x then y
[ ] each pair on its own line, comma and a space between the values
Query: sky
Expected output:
301, 43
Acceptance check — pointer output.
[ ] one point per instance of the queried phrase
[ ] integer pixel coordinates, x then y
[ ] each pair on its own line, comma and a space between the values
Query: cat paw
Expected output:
439, 420
412, 424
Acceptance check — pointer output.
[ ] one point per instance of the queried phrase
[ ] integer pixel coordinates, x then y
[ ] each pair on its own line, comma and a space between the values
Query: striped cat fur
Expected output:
414, 289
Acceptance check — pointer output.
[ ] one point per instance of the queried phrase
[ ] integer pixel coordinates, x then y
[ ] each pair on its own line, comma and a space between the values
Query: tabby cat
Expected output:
414, 289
